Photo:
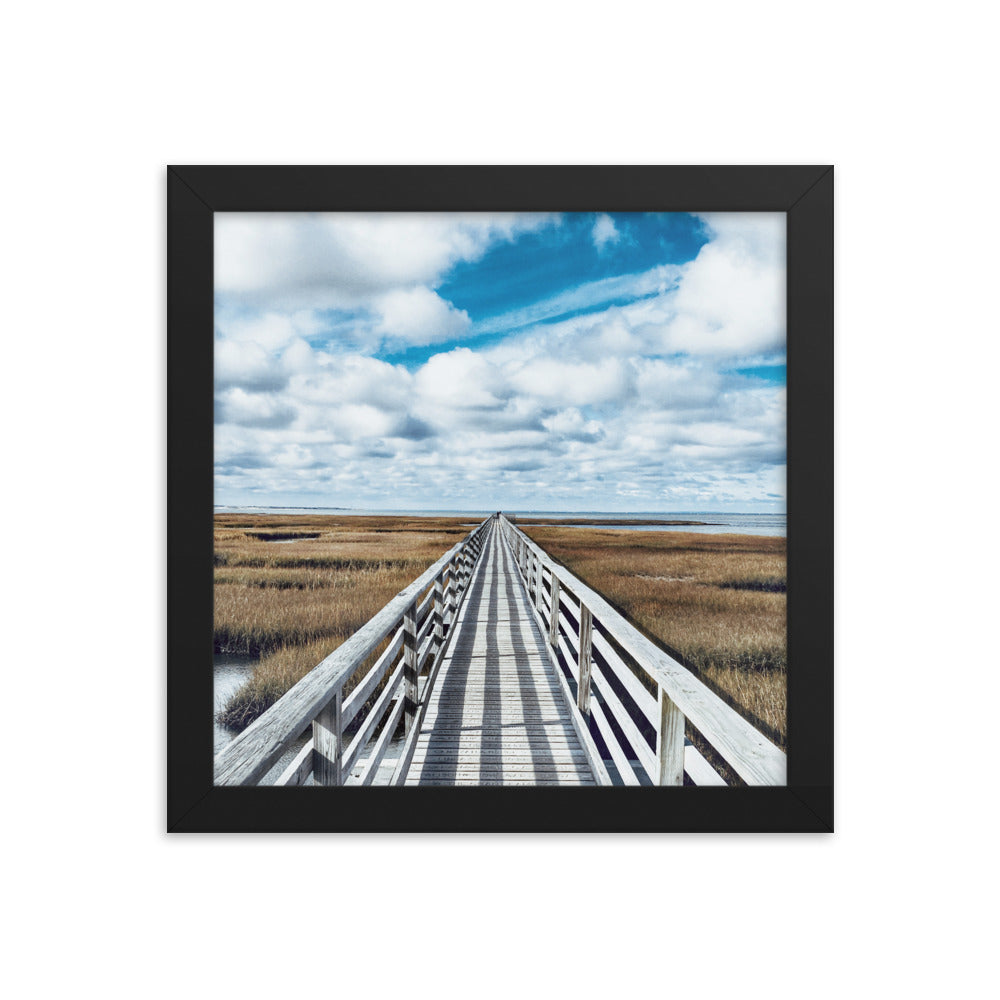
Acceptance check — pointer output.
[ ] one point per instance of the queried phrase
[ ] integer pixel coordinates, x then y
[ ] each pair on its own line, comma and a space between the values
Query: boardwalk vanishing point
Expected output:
498, 666
496, 715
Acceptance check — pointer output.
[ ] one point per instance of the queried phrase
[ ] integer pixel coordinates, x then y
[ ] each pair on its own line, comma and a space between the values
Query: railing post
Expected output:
583, 690
554, 610
449, 592
670, 742
328, 743
410, 666
539, 586
438, 612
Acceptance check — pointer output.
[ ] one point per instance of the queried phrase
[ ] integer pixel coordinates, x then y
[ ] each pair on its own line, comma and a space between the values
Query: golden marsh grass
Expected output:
293, 603
717, 602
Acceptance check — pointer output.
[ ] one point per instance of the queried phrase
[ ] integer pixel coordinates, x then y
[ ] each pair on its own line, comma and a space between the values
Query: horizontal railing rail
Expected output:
416, 622
632, 693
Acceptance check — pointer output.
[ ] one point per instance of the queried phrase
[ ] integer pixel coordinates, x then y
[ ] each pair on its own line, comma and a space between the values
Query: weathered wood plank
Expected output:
617, 755
438, 614
328, 743
670, 743
640, 749
357, 698
497, 700
410, 668
554, 614
572, 659
415, 734
524, 755
253, 752
699, 770
374, 717
645, 699
749, 752
508, 780
382, 744
583, 690
300, 769
483, 769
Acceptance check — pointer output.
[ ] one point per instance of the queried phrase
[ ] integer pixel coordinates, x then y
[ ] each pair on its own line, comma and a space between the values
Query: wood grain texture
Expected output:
751, 755
497, 714
300, 769
373, 718
371, 767
554, 614
356, 699
583, 693
252, 753
670, 743
410, 666
328, 743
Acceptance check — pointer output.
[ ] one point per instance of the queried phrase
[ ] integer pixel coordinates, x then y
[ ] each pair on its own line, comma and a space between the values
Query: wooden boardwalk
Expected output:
496, 714
498, 666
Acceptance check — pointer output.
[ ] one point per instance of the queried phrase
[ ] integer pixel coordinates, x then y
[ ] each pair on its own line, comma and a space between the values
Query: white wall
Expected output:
100, 97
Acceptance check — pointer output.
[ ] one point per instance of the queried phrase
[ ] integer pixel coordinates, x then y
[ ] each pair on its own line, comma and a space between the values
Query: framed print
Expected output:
501, 498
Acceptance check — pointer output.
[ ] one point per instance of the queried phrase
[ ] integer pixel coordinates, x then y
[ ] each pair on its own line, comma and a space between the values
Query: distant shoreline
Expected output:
608, 521
588, 517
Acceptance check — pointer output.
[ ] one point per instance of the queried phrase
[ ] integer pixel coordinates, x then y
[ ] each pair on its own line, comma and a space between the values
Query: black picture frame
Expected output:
195, 193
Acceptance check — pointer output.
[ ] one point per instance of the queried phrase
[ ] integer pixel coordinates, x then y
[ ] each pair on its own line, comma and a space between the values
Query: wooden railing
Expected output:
630, 692
418, 620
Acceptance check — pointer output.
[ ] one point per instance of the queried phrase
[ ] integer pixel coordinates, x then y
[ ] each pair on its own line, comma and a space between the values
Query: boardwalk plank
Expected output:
497, 714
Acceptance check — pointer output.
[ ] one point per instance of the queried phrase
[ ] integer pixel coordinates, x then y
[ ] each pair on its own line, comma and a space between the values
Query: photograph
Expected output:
499, 499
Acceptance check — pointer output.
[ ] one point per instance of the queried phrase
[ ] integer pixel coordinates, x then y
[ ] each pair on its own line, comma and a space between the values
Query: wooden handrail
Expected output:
318, 697
680, 694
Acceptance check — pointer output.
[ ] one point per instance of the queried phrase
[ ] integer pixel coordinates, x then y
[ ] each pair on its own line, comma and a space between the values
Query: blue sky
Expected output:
575, 361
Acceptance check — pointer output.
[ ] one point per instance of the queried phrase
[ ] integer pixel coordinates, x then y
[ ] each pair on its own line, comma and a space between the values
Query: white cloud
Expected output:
247, 365
676, 386
460, 380
731, 298
565, 382
604, 232
633, 402
252, 409
340, 260
571, 424
584, 298
418, 316
728, 302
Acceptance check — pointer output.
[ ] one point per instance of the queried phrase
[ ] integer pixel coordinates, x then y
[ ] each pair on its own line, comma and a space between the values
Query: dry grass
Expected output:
292, 604
717, 602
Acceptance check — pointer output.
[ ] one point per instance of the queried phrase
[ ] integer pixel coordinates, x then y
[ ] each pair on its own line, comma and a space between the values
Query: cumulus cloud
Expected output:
461, 380
604, 232
563, 382
632, 405
335, 260
418, 316
571, 424
248, 366
235, 406
731, 298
